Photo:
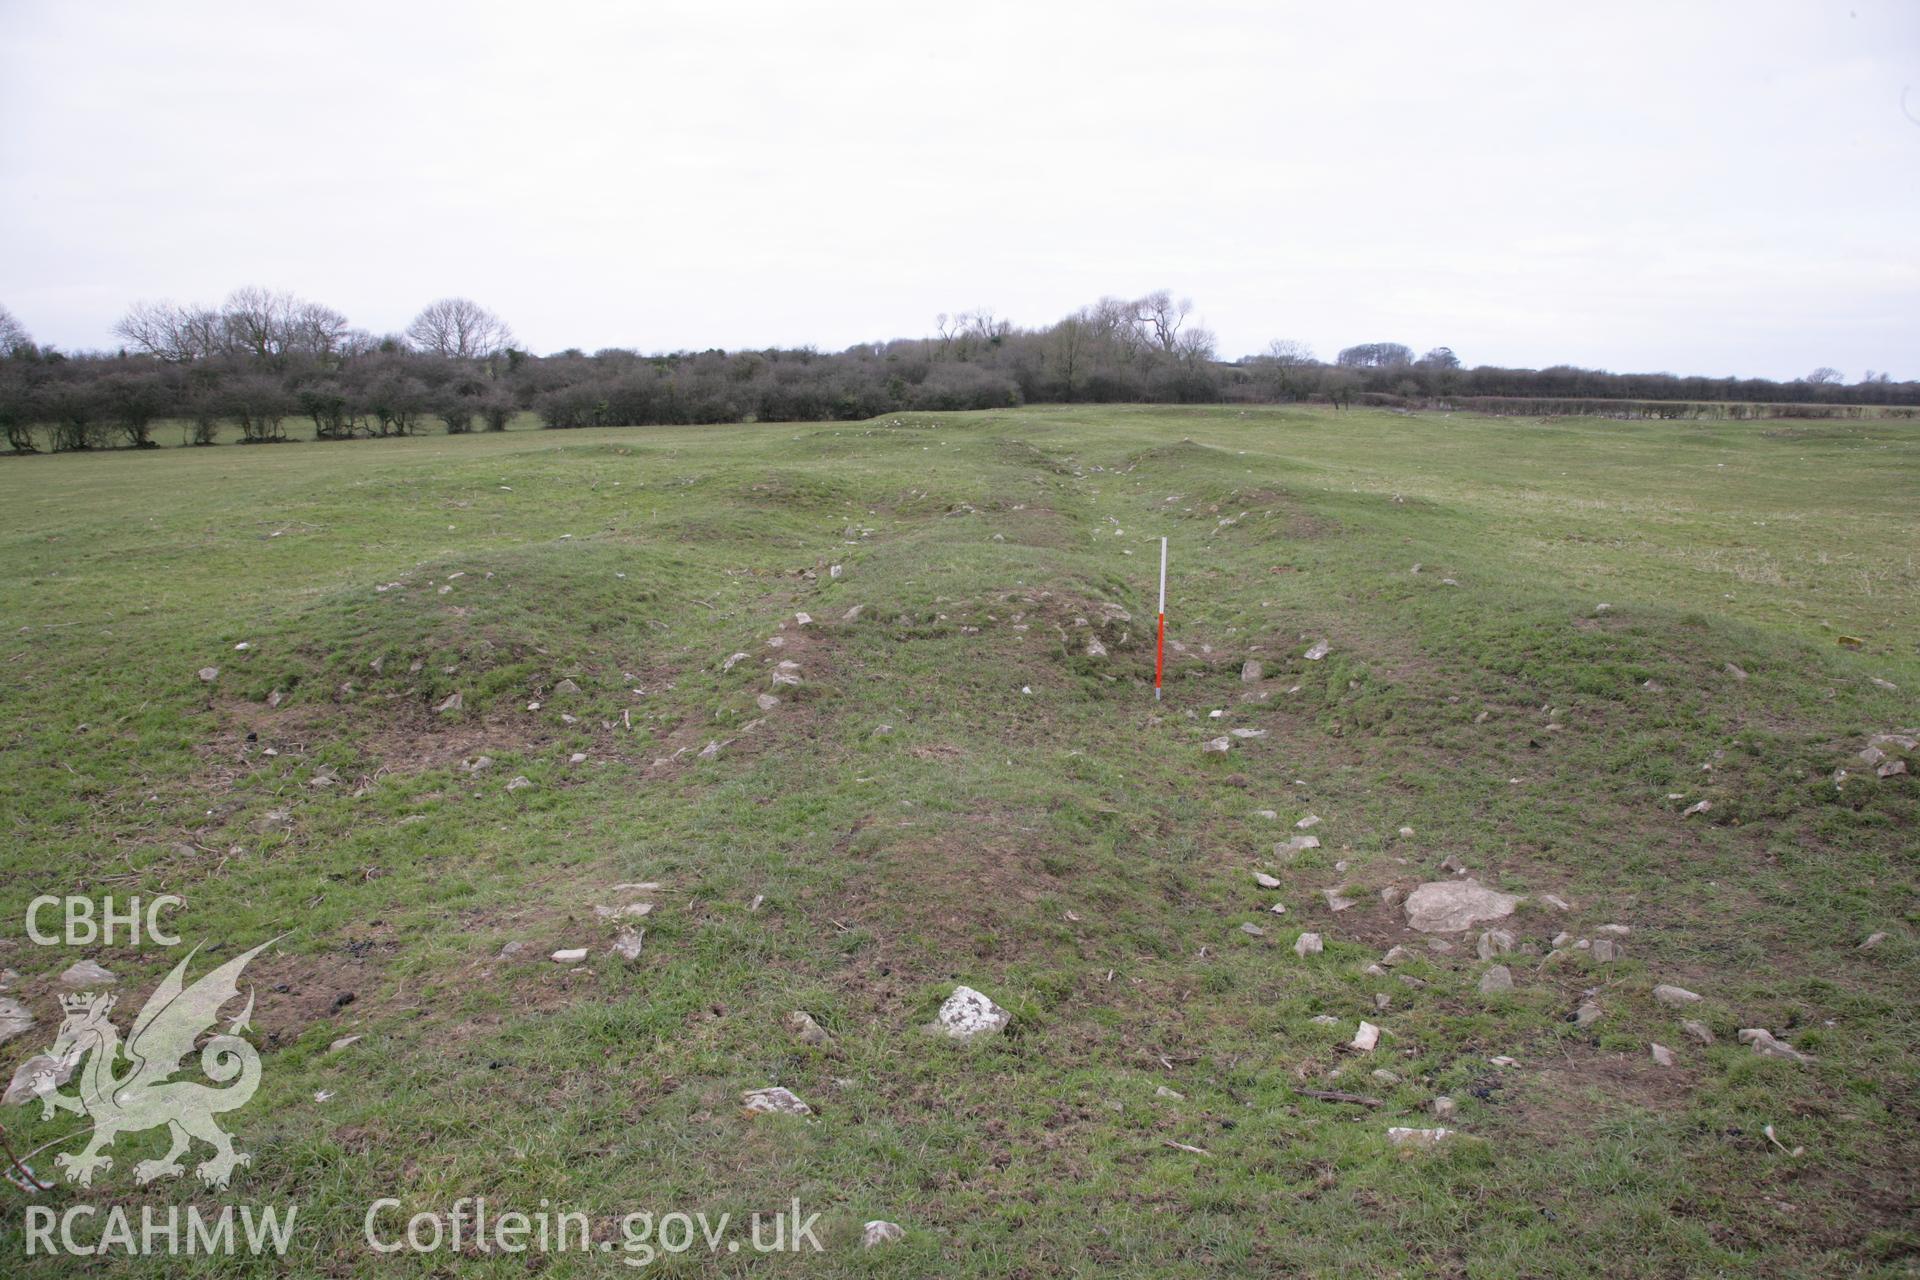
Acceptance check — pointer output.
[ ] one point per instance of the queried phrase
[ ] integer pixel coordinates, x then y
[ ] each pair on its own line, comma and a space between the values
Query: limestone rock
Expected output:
629, 942
1662, 1056
1443, 906
1606, 951
1675, 997
1319, 650
1401, 1136
1336, 901
566, 686
453, 703
209, 674
15, 1018
1265, 881
86, 976
1496, 980
1698, 1030
40, 1073
570, 955
1295, 846
1768, 1046
1587, 1014
1222, 744
802, 1027
1442, 1107
1494, 942
1308, 944
520, 783
1253, 930
733, 660
774, 1101
878, 1233
967, 1013
1251, 672
1365, 1038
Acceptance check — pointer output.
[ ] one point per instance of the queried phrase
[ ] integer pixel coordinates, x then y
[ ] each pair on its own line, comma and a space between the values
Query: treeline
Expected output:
263, 360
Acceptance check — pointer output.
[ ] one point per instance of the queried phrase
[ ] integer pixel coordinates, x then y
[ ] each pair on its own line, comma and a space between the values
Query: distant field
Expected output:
957, 791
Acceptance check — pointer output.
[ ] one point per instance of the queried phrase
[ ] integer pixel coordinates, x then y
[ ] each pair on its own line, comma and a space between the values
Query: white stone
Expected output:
1698, 1030
1401, 1136
1365, 1038
967, 1013
1767, 1045
877, 1233
1266, 881
1496, 980
1251, 671
1494, 942
1335, 900
39, 1074
1253, 930
1441, 906
1442, 1107
1320, 650
732, 659
1308, 944
1675, 997
774, 1101
86, 976
1587, 1014
15, 1018
1164, 1092
628, 944
570, 955
520, 783
209, 674
1222, 744
1662, 1056
1296, 845
803, 1028
1311, 820
631, 911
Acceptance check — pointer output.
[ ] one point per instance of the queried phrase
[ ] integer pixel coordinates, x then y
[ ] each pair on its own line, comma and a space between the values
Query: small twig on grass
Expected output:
1181, 1146
1334, 1095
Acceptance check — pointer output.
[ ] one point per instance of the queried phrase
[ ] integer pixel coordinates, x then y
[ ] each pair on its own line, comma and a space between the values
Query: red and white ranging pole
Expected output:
1160, 645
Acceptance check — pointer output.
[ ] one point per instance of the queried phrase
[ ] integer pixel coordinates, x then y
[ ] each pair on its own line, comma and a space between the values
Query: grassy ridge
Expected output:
1068, 850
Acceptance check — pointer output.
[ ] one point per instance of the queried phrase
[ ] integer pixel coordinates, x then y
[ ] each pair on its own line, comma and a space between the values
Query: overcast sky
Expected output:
1702, 188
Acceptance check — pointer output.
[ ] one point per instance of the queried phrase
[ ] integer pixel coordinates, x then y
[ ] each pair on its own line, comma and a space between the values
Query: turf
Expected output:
957, 791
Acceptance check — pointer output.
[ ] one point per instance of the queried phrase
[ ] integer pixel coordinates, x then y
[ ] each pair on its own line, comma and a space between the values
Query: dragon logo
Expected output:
142, 1096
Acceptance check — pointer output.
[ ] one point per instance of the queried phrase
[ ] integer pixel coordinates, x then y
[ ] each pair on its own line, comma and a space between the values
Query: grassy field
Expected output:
958, 792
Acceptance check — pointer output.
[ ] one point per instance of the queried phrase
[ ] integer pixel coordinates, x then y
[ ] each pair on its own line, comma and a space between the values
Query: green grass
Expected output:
891, 865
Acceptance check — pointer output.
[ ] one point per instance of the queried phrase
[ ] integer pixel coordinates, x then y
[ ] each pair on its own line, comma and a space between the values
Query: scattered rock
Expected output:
1698, 1030
1251, 672
578, 757
86, 976
1662, 1056
1365, 1038
1311, 820
15, 1018
1320, 650
787, 672
1170, 1094
1094, 648
1441, 906
1873, 940
1606, 951
1221, 744
511, 950
1587, 1014
39, 1074
1735, 671
209, 674
774, 1101
1555, 901
566, 687
802, 1027
342, 1043
1406, 833
877, 1233
1561, 939
1253, 930
1297, 845
520, 783
631, 911
1335, 901
1391, 895
710, 752
1496, 981
1442, 1107
570, 955
1494, 942
733, 659
453, 703
1396, 955
1308, 944
803, 619
1326, 1020
1768, 1046
1703, 806
766, 701
629, 942
1266, 881
1401, 1136
967, 1013
1675, 997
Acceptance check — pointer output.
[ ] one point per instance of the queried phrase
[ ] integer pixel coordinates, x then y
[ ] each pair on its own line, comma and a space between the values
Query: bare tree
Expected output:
1290, 353
13, 335
460, 328
1825, 376
1159, 318
172, 332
